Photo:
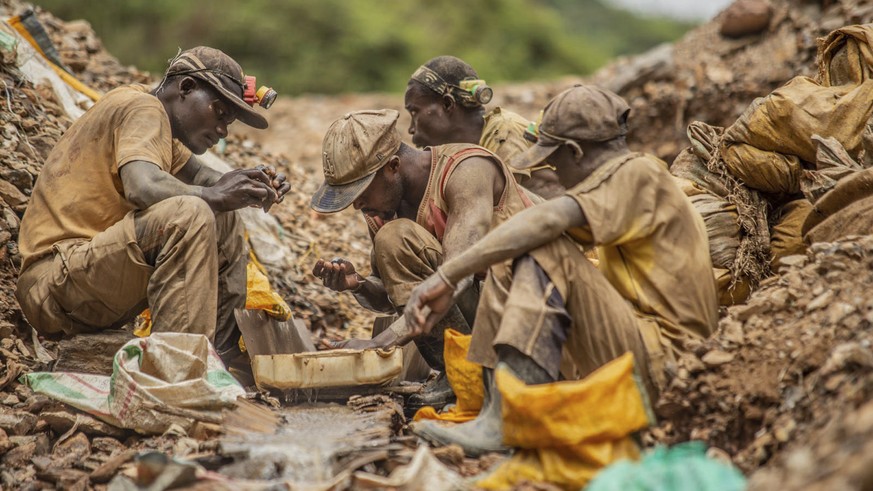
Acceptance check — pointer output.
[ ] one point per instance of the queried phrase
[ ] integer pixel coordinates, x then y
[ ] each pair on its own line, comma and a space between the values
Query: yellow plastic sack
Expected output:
558, 468
259, 295
464, 376
568, 431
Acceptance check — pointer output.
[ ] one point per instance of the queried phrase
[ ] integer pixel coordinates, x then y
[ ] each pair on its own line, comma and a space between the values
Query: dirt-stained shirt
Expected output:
652, 245
503, 134
79, 192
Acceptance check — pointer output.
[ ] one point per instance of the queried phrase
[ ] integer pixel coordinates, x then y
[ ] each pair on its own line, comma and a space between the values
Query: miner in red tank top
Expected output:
423, 207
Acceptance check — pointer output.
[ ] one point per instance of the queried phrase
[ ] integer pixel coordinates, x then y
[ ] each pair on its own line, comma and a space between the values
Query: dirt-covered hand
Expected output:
338, 275
240, 188
277, 180
385, 339
428, 303
354, 344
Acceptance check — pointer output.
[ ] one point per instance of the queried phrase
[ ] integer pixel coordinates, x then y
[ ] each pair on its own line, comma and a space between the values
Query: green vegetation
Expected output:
331, 46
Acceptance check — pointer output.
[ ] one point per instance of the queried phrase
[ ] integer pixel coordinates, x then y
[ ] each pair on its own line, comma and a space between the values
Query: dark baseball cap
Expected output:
582, 113
224, 74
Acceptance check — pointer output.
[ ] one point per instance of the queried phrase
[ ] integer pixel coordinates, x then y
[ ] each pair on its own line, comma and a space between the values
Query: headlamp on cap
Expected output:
480, 91
532, 132
264, 96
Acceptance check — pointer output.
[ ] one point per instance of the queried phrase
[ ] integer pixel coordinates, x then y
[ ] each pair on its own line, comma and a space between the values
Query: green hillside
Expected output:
330, 46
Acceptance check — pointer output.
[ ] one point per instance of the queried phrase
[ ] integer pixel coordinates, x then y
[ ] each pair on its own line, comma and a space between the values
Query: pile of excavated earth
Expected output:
783, 389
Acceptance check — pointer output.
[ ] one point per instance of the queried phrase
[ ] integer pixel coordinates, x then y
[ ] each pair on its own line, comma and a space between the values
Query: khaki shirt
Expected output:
503, 134
652, 245
79, 192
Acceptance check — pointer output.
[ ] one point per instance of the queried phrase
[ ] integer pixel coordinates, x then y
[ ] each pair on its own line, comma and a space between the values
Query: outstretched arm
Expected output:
524, 232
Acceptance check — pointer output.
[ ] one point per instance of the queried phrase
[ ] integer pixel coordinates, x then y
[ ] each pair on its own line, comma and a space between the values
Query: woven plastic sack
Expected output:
722, 227
770, 172
786, 235
689, 166
854, 219
845, 55
848, 190
150, 378
784, 122
566, 432
683, 467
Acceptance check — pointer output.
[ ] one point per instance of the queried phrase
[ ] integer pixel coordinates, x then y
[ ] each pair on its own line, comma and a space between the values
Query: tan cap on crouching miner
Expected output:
220, 71
355, 147
582, 113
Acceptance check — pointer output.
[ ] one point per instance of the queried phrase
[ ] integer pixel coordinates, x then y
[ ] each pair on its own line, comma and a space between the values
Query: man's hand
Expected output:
428, 304
240, 188
277, 180
338, 275
361, 344
385, 339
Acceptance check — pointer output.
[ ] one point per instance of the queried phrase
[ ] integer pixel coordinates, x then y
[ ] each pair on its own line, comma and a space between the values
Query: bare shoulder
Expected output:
473, 178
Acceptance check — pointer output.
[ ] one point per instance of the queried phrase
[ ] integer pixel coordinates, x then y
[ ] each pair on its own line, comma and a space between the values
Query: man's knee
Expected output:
396, 235
186, 211
192, 209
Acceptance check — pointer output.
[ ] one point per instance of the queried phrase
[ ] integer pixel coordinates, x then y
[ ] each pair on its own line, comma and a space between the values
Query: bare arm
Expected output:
195, 173
471, 192
372, 295
146, 184
522, 233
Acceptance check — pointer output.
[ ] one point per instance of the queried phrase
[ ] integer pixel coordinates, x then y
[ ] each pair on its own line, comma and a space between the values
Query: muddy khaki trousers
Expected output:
558, 299
406, 254
179, 258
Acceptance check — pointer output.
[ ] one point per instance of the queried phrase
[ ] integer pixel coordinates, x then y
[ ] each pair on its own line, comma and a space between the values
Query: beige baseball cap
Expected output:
221, 72
582, 113
354, 148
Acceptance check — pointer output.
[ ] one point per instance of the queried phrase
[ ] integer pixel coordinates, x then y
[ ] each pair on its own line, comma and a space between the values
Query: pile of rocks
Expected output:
785, 364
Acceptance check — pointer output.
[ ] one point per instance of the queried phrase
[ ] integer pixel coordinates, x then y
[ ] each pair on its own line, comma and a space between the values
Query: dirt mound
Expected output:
780, 366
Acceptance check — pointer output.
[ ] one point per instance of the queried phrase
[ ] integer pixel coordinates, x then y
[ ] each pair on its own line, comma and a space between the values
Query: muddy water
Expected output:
307, 444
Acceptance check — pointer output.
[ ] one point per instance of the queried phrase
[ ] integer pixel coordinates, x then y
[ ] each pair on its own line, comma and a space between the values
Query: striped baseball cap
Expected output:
220, 71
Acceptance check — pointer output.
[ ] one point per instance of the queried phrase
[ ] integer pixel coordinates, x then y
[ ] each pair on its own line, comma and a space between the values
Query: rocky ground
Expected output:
783, 389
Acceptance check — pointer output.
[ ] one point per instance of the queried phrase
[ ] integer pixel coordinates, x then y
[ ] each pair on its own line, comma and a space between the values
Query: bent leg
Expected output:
87, 286
178, 238
406, 254
535, 303
557, 284
232, 262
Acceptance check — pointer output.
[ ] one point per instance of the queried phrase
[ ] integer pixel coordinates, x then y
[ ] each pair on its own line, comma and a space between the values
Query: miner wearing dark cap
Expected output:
446, 102
425, 206
652, 292
124, 216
